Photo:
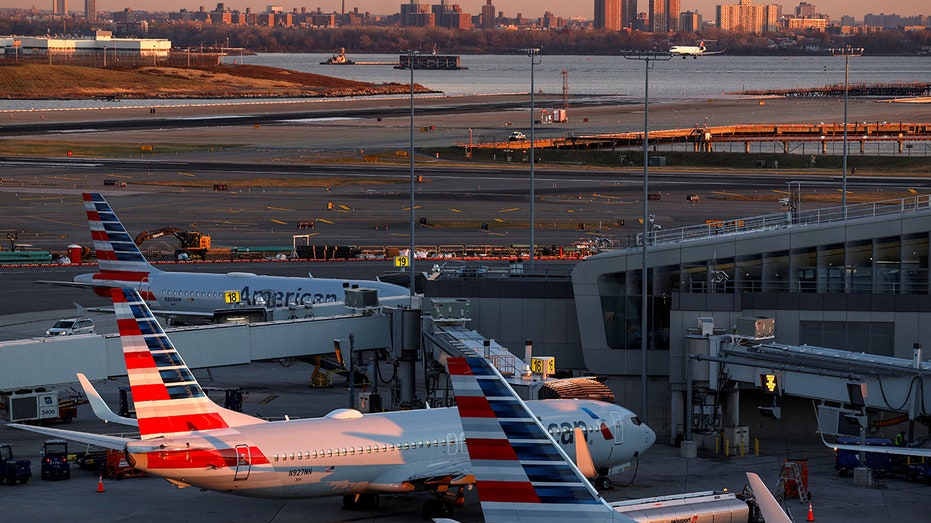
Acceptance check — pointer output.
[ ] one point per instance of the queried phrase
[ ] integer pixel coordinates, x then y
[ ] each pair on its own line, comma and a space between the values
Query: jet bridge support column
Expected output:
407, 356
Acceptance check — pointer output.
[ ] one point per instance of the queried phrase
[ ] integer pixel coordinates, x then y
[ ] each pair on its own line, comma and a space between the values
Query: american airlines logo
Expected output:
275, 298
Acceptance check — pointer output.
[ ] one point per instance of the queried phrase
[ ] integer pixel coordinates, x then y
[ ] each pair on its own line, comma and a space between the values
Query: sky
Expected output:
528, 8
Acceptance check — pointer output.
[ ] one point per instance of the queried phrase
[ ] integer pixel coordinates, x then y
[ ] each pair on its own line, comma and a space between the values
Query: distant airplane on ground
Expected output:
692, 50
187, 295
193, 442
522, 475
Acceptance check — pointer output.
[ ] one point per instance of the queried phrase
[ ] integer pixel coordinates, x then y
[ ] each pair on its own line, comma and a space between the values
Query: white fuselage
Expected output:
387, 452
206, 292
687, 50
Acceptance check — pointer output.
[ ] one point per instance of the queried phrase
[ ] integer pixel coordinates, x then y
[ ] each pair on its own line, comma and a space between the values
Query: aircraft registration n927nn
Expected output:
197, 295
191, 441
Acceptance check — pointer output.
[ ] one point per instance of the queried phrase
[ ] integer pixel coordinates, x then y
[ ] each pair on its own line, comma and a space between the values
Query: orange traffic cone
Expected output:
100, 487
811, 515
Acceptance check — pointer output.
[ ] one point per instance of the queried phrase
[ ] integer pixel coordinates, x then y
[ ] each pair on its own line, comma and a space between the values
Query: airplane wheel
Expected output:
603, 483
431, 509
349, 501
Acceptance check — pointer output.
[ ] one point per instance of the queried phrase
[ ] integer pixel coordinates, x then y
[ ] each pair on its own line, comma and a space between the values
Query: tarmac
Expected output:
273, 390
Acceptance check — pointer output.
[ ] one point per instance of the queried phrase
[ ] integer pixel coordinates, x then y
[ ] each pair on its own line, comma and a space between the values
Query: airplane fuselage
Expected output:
377, 453
207, 292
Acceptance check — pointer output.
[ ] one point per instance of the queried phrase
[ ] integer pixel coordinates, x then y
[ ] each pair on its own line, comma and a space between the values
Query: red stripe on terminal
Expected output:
506, 491
474, 407
153, 392
491, 449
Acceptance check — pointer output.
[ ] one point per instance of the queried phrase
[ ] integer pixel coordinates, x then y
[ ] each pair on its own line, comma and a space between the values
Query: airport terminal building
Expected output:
856, 281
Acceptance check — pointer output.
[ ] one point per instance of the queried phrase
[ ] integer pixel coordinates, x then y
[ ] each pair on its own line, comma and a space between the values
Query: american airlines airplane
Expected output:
198, 295
692, 50
193, 442
523, 475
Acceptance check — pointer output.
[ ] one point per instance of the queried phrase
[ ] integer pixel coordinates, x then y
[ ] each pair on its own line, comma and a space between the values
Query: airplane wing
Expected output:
769, 507
100, 440
706, 53
880, 449
448, 472
100, 408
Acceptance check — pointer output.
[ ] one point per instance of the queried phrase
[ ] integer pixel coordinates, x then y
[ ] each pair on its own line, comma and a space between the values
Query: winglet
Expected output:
769, 507
99, 406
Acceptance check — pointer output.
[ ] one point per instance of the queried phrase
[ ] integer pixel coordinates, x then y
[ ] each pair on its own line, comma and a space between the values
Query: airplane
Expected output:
523, 475
193, 442
692, 50
198, 296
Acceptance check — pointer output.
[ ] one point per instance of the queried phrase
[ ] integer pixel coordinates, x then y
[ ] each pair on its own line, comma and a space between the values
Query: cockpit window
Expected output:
635, 420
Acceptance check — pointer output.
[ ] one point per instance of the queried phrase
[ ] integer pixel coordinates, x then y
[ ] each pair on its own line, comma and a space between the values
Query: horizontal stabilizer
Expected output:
769, 507
101, 440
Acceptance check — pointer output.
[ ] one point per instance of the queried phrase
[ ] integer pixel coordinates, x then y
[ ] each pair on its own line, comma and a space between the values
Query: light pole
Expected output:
533, 53
846, 52
648, 57
410, 65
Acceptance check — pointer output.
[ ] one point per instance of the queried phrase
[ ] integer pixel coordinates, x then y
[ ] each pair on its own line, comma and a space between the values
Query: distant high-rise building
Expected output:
690, 22
628, 13
608, 15
488, 15
748, 17
417, 15
664, 15
90, 10
60, 7
805, 10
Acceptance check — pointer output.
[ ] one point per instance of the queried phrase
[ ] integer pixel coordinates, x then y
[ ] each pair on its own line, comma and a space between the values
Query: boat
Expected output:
448, 62
338, 59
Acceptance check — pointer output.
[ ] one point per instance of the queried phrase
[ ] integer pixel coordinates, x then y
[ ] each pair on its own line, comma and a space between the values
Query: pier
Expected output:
703, 139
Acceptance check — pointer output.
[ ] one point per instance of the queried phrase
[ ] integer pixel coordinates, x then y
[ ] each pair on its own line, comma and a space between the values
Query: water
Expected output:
677, 79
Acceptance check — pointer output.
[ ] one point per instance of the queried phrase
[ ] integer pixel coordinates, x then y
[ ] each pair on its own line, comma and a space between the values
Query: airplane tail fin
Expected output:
118, 257
520, 472
167, 397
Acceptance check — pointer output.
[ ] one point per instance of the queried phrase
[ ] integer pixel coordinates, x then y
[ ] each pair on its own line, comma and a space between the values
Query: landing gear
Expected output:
437, 508
361, 501
443, 505
603, 482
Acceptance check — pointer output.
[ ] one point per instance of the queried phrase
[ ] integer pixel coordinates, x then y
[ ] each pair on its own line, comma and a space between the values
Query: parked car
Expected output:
516, 135
70, 326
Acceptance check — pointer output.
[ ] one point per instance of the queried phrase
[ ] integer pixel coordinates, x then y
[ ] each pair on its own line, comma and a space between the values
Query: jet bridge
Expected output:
850, 387
445, 335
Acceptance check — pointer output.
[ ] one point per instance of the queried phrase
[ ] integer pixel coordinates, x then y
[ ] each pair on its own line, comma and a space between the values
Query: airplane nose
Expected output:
649, 435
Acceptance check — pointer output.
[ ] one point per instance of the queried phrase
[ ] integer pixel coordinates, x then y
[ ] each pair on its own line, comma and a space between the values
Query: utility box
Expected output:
450, 309
738, 436
657, 161
361, 298
756, 327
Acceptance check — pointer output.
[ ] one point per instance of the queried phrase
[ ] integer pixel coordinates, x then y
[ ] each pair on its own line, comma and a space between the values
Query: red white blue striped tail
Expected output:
118, 256
167, 397
522, 475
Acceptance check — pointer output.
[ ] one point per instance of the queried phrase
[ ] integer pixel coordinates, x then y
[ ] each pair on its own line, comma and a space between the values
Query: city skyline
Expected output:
528, 8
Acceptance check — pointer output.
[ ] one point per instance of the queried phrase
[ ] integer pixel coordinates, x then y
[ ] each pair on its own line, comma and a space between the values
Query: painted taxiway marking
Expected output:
182, 173
279, 222
324, 220
725, 193
512, 209
280, 209
454, 210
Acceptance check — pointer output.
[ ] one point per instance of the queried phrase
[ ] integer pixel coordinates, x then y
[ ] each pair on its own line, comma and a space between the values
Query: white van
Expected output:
70, 326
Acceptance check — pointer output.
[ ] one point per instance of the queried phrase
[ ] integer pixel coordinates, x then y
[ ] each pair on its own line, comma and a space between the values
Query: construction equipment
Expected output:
12, 469
193, 243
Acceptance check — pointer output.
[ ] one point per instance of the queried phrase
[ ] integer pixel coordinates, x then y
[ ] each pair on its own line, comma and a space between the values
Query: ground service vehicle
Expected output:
516, 135
12, 469
55, 460
71, 326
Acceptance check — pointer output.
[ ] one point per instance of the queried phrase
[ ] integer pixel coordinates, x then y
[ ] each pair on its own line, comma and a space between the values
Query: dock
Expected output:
442, 62
704, 138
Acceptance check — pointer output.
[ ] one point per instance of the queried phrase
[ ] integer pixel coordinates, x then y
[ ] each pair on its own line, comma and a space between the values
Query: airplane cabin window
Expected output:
275, 457
292, 456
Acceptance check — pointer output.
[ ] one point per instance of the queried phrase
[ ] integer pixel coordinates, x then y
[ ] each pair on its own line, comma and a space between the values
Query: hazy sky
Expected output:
529, 8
